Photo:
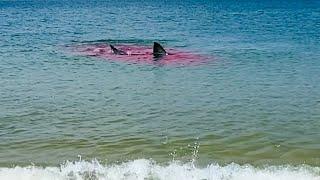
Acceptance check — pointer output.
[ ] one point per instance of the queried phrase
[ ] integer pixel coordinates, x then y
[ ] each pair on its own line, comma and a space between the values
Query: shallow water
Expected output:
257, 101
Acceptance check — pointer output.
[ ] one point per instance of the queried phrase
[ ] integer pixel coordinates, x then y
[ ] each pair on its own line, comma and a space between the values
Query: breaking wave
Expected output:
148, 169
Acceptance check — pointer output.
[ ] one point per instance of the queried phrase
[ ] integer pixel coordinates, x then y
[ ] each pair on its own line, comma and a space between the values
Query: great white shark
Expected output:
137, 54
158, 51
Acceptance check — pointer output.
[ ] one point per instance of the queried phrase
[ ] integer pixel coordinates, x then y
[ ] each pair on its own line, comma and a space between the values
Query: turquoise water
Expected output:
251, 112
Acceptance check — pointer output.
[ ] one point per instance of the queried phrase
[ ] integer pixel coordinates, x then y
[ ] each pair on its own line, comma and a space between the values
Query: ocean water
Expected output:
251, 112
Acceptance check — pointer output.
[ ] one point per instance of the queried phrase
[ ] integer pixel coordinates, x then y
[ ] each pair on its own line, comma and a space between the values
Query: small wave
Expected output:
148, 169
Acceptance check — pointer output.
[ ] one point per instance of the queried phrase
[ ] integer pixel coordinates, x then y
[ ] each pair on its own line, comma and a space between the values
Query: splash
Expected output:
147, 169
140, 54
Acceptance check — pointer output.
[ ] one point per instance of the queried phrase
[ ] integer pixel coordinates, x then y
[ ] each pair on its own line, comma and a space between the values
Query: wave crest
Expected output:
148, 169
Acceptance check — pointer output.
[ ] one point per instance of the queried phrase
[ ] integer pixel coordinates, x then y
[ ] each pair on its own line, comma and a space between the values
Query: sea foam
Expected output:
148, 169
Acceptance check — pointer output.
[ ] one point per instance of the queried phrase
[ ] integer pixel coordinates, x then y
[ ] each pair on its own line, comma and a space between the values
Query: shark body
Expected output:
137, 54
158, 51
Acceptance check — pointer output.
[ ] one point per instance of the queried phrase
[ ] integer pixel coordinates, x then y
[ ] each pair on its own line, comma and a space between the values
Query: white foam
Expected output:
147, 169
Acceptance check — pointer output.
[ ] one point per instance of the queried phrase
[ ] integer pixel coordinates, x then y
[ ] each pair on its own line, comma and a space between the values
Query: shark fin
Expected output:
158, 50
117, 51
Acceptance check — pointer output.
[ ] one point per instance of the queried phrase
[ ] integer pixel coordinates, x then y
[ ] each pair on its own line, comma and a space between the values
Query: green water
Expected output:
256, 101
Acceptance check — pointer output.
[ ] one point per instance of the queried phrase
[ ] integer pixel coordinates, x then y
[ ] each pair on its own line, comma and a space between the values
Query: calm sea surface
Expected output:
253, 108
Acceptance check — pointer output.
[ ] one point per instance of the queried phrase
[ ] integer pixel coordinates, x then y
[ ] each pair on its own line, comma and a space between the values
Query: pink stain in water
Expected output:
142, 55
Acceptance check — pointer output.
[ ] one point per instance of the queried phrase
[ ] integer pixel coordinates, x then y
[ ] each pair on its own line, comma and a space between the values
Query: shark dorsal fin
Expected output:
158, 50
117, 51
